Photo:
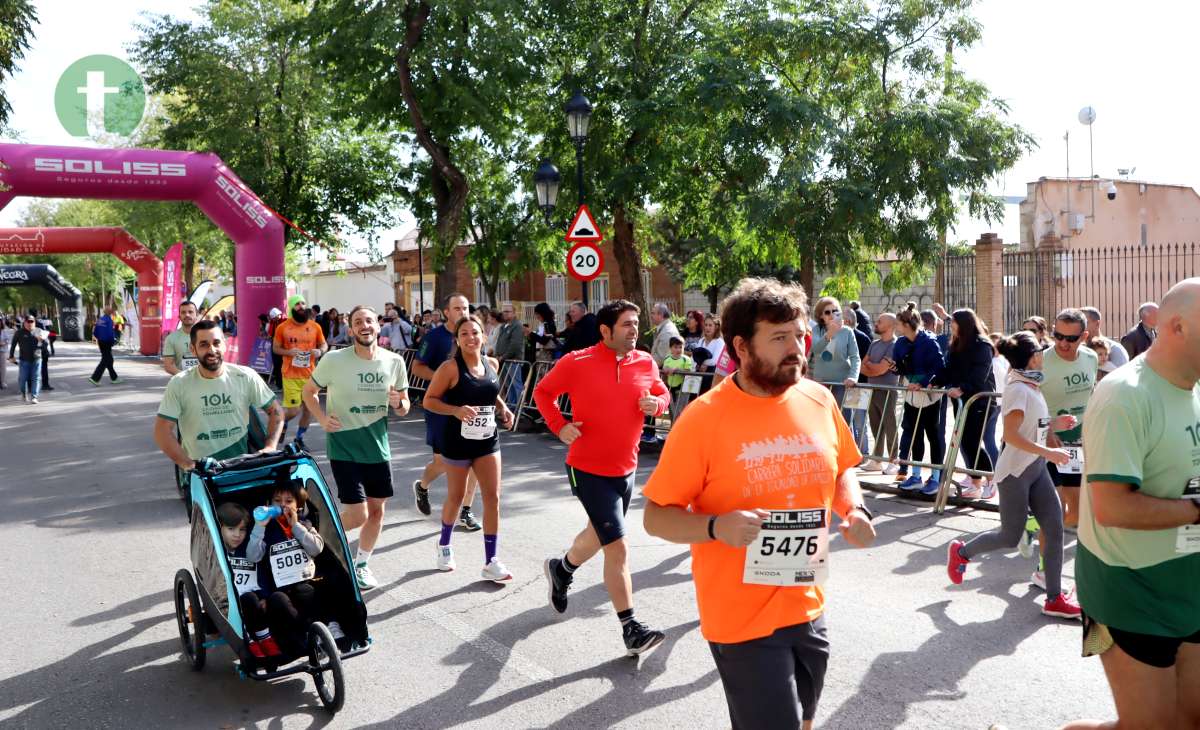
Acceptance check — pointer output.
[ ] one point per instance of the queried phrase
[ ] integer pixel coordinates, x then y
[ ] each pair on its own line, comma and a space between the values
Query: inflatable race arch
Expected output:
70, 300
118, 242
138, 174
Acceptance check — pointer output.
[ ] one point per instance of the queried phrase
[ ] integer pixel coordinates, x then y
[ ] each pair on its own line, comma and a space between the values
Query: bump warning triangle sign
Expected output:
583, 228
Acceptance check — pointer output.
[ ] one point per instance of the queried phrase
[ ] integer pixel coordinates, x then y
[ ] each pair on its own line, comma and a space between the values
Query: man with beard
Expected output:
210, 404
301, 342
755, 506
362, 382
177, 354
612, 387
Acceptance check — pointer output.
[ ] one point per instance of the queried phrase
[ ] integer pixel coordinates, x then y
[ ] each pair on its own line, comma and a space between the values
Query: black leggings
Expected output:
974, 456
254, 612
290, 611
920, 424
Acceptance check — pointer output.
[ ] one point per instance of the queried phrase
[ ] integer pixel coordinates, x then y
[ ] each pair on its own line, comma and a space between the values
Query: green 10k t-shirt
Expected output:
358, 396
1068, 386
213, 413
1144, 431
178, 345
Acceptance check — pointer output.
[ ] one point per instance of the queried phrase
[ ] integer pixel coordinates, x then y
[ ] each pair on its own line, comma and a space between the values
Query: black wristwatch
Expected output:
712, 524
863, 508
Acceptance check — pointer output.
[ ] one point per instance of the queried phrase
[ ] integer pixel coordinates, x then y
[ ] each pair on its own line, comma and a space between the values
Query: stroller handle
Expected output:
212, 467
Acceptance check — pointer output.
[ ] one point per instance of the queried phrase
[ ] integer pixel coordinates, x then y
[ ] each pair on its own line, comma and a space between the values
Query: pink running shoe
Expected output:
956, 565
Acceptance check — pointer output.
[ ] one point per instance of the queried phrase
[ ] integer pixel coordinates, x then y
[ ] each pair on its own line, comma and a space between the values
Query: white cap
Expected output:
275, 312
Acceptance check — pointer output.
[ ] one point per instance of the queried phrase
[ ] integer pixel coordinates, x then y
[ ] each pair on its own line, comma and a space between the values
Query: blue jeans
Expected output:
29, 375
514, 387
855, 419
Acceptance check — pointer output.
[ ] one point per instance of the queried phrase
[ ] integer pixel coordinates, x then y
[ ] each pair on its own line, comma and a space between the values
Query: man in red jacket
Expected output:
612, 387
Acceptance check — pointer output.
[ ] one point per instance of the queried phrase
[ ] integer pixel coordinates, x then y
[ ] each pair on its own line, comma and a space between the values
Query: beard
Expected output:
212, 362
365, 341
774, 379
300, 316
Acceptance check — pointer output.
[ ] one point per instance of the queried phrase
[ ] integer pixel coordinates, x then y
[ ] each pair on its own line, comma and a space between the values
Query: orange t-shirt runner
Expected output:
734, 451
294, 336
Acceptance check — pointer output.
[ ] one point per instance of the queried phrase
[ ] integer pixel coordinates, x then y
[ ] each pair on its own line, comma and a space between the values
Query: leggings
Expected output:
290, 611
919, 424
973, 453
254, 612
1030, 491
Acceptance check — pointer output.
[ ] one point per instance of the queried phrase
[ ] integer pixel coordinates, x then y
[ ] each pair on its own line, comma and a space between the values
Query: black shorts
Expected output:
605, 499
357, 481
1063, 480
764, 678
1156, 651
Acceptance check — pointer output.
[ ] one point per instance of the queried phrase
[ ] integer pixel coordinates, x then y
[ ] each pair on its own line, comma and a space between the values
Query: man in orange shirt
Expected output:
755, 506
301, 343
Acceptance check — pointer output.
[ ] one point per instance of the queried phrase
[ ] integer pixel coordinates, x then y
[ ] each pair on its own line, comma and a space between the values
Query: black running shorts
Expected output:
764, 678
357, 481
1156, 651
605, 499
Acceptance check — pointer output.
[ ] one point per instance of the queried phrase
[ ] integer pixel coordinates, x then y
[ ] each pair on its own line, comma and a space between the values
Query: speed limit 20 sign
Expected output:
585, 261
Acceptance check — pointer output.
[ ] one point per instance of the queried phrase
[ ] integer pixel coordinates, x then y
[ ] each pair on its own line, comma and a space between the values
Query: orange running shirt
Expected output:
734, 451
293, 336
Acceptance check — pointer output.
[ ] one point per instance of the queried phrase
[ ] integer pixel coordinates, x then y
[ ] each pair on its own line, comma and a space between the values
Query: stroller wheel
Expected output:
190, 618
325, 664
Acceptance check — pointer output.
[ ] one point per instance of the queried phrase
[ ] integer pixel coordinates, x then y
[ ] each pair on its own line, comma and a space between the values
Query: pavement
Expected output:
92, 533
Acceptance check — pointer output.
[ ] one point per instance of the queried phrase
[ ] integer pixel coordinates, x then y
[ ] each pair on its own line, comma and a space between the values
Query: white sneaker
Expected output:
891, 469
366, 579
34, 400
869, 465
989, 489
335, 630
1025, 545
445, 558
496, 572
1038, 579
967, 490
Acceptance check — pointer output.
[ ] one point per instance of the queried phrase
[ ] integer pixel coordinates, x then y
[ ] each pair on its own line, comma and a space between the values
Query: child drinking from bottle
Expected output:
244, 553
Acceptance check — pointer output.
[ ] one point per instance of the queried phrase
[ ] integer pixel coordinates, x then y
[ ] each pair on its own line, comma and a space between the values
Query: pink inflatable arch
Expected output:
134, 174
119, 243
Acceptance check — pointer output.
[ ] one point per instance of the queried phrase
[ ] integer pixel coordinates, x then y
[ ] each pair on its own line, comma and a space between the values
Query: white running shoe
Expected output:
891, 469
869, 465
366, 579
1038, 579
1025, 545
989, 489
496, 572
445, 558
967, 490
335, 630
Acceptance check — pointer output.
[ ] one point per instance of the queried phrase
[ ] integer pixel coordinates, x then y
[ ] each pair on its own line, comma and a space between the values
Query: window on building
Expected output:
556, 296
648, 286
481, 295
599, 294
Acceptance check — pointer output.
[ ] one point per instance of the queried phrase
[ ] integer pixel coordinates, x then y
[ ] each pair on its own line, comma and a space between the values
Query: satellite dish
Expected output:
1087, 115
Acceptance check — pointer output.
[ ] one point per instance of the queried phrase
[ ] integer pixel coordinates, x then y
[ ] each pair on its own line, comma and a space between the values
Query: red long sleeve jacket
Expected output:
604, 394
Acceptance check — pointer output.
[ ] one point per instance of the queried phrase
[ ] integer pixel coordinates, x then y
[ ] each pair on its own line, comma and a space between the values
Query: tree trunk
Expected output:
714, 293
629, 264
808, 275
189, 268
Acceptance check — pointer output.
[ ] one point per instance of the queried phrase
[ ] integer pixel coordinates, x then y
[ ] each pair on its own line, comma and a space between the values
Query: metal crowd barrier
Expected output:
512, 373
949, 465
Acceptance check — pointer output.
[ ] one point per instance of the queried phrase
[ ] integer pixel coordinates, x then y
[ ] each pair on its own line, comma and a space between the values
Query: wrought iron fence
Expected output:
1023, 273
959, 282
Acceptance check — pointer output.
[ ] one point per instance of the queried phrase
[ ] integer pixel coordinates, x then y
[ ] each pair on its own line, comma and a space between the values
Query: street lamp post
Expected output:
546, 179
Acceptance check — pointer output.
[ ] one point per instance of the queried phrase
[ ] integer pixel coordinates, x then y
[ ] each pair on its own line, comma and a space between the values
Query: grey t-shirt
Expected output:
878, 350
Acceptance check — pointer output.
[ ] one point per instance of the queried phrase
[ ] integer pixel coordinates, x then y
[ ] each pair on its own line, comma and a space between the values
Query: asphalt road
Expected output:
91, 534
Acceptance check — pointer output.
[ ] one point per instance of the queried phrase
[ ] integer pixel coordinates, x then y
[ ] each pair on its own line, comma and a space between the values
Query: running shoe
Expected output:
913, 482
1038, 578
967, 490
1062, 606
269, 647
421, 497
445, 558
956, 564
94, 381
365, 578
869, 465
496, 572
558, 589
256, 650
891, 469
299, 441
467, 521
989, 489
1025, 545
35, 400
639, 638
117, 381
932, 485
335, 630
47, 387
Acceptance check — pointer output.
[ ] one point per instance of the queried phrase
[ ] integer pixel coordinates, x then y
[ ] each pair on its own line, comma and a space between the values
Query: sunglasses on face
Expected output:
1069, 338
833, 312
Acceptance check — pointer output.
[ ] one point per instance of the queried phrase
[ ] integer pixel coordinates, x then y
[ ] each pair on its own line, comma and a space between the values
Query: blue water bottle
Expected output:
262, 514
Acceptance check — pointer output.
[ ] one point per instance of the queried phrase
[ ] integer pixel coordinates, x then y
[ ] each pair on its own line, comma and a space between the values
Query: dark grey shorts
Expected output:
775, 681
605, 499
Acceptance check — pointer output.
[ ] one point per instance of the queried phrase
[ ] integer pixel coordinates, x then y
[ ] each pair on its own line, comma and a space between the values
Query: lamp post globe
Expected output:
546, 181
579, 115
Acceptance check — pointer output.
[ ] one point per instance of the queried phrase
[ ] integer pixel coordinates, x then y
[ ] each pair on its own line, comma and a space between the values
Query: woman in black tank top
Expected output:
467, 388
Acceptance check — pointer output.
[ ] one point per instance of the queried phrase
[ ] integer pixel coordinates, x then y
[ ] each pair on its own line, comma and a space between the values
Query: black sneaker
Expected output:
299, 441
640, 639
467, 521
421, 497
558, 588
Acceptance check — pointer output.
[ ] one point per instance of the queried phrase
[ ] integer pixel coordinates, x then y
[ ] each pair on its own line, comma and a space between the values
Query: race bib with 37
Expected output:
289, 563
245, 575
791, 550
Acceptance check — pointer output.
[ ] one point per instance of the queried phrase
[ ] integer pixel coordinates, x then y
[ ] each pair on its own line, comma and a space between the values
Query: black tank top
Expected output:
470, 391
